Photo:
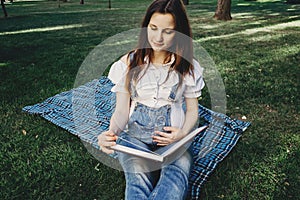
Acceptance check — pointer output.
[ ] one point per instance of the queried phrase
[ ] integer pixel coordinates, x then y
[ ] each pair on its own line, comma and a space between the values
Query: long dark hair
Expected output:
182, 48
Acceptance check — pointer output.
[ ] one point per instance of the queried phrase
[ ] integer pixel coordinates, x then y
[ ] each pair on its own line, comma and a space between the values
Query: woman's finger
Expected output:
162, 134
106, 140
162, 140
170, 128
107, 150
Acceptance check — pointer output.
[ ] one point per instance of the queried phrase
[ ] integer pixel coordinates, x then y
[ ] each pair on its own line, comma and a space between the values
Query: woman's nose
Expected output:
159, 36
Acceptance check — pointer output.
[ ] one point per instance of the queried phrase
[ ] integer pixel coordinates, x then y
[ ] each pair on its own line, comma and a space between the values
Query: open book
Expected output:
162, 153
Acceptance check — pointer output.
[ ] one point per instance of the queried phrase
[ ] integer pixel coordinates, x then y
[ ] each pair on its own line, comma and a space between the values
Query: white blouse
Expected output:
153, 89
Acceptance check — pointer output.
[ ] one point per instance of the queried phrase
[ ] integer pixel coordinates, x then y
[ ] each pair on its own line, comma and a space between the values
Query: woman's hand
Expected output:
164, 138
106, 140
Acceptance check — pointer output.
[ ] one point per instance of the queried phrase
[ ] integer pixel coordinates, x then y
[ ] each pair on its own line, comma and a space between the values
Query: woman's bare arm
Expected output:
118, 122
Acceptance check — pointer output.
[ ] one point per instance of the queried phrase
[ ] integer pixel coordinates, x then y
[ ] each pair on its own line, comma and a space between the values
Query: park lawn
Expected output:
43, 44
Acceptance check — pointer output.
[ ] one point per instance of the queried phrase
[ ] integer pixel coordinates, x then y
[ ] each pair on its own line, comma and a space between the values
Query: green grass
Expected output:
260, 70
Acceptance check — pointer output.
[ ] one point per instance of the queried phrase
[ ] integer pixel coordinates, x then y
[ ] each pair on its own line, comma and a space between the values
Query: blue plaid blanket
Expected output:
85, 111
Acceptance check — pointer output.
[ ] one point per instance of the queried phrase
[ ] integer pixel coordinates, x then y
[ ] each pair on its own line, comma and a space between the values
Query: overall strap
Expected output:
172, 95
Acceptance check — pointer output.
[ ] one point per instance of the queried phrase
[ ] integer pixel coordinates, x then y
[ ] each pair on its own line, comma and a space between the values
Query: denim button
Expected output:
144, 120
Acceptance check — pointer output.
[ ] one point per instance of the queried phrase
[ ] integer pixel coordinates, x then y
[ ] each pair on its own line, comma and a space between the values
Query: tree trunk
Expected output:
293, 1
81, 1
223, 10
185, 2
3, 8
109, 4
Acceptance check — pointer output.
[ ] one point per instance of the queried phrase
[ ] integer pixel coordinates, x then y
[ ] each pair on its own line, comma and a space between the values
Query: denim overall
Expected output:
146, 179
145, 120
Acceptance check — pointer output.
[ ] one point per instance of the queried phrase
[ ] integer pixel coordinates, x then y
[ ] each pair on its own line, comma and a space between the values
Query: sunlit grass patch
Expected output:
56, 28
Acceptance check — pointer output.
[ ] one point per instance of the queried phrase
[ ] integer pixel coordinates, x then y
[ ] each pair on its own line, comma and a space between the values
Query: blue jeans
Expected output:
146, 179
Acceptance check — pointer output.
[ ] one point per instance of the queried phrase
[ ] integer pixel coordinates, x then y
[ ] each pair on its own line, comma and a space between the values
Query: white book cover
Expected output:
163, 152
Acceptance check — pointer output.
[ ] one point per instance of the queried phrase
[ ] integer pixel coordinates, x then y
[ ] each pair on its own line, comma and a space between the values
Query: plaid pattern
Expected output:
212, 146
85, 112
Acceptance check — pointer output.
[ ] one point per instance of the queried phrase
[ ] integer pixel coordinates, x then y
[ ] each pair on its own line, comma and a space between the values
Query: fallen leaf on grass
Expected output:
24, 132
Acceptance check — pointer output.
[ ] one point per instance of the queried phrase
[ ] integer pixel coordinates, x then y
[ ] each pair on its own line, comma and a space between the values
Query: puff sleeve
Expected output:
194, 85
117, 75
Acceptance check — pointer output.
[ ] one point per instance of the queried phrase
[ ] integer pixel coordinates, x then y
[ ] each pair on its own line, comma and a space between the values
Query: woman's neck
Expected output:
160, 57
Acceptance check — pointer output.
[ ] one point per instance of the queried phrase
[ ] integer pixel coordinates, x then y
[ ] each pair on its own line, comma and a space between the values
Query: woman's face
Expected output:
161, 31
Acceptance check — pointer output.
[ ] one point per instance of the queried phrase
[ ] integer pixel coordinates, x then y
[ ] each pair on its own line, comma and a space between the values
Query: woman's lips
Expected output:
158, 44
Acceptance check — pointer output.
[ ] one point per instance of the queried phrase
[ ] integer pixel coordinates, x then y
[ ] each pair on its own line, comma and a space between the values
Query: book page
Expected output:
139, 153
188, 138
163, 152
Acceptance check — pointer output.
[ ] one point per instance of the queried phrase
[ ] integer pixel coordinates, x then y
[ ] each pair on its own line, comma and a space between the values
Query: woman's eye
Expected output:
169, 31
153, 28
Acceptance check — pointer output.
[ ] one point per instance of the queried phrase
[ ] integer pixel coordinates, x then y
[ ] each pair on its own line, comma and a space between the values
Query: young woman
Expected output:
152, 83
